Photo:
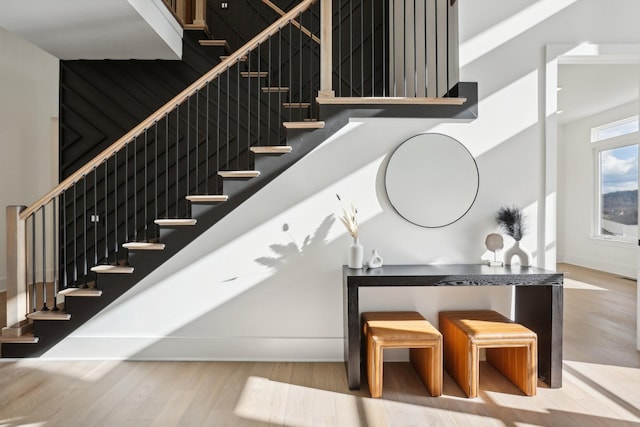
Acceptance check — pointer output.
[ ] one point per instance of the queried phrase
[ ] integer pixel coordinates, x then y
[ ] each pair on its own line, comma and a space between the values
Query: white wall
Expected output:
28, 103
576, 180
217, 298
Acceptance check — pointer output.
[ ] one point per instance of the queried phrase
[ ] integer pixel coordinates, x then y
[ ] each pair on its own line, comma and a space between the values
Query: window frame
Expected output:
598, 147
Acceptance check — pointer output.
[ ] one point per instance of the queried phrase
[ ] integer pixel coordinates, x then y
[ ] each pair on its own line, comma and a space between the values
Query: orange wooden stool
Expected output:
403, 329
511, 348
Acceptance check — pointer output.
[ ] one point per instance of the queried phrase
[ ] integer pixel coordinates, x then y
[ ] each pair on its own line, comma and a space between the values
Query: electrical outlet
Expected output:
95, 218
224, 5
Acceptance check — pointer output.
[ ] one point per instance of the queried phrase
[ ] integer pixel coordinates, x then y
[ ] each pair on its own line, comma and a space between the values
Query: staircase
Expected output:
189, 164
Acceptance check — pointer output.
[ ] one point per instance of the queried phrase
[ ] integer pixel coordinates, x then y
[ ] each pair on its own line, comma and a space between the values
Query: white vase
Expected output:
356, 254
375, 261
516, 251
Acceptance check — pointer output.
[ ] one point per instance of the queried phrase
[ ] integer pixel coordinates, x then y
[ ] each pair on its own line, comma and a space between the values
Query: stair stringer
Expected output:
114, 286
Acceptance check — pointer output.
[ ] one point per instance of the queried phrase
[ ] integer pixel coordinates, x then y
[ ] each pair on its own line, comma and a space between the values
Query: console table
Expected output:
538, 304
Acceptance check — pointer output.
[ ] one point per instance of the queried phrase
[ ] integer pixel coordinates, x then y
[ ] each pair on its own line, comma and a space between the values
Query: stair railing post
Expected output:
200, 13
326, 46
17, 292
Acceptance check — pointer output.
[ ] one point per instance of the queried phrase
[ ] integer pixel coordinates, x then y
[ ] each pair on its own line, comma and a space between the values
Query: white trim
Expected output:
621, 269
293, 349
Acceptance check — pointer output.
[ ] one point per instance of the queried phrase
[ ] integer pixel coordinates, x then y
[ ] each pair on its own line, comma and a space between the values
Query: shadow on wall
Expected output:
286, 254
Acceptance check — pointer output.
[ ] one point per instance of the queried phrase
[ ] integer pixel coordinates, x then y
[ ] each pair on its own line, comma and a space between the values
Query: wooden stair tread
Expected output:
81, 292
239, 174
176, 221
22, 339
104, 268
312, 124
331, 100
216, 43
254, 73
207, 198
197, 27
271, 149
144, 246
49, 315
274, 89
296, 104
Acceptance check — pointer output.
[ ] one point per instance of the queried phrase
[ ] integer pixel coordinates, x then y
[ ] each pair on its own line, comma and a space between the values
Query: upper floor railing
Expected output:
189, 13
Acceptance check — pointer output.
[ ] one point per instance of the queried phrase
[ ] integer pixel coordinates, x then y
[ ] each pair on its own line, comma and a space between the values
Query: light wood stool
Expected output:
510, 348
403, 329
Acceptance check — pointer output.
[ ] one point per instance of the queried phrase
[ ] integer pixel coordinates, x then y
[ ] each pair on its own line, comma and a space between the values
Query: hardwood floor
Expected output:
601, 384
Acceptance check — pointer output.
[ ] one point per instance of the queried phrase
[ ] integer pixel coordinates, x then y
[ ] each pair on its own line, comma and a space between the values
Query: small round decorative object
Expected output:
494, 242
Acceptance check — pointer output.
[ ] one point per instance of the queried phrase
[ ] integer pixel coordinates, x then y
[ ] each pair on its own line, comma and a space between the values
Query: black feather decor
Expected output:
511, 222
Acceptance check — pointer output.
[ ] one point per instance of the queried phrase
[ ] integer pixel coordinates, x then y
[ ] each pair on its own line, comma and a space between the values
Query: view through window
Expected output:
616, 148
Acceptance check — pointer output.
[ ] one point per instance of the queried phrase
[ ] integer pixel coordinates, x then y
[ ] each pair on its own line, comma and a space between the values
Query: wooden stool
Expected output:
511, 348
403, 329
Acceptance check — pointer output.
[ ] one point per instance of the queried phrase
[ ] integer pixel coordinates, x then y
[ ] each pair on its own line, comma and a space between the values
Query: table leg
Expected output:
540, 309
352, 335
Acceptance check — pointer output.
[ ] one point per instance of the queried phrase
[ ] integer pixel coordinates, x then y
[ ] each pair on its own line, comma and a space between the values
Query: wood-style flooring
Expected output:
601, 384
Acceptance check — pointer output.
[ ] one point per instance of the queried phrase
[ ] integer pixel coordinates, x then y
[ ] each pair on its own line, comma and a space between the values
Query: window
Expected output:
616, 154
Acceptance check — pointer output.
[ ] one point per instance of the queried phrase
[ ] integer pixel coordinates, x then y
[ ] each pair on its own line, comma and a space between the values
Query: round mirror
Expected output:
432, 180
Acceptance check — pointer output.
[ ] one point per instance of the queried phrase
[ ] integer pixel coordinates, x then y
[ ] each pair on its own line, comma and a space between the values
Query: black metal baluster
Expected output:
279, 118
126, 192
84, 233
290, 70
155, 177
447, 48
415, 51
166, 161
135, 189
34, 288
228, 136
178, 158
106, 212
197, 138
404, 46
54, 254
300, 61
351, 48
426, 63
361, 49
339, 49
249, 109
258, 134
437, 79
95, 218
384, 48
75, 237
269, 97
115, 210
146, 180
311, 49
238, 116
393, 52
188, 139
206, 147
44, 260
197, 186
218, 135
65, 277
373, 49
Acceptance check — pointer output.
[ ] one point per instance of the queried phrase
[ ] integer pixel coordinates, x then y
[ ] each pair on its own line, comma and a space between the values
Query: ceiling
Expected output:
95, 29
588, 89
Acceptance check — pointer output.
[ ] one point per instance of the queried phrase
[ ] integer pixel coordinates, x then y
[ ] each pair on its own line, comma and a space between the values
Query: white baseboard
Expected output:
621, 269
199, 348
3, 284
